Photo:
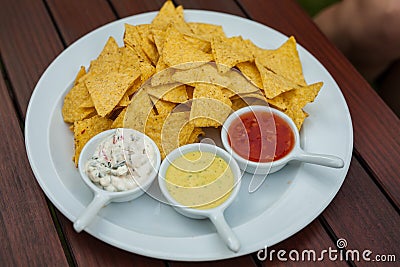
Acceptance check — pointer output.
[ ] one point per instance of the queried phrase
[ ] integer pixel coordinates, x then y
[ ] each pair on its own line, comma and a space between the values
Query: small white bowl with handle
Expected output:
215, 214
103, 197
296, 154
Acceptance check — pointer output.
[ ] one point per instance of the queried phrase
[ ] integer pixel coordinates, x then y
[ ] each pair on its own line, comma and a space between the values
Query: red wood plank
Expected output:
240, 261
226, 6
376, 127
27, 234
89, 251
126, 8
28, 44
76, 18
361, 214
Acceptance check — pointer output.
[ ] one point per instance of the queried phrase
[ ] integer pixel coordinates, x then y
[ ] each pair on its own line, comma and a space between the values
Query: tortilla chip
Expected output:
72, 110
175, 93
177, 50
159, 39
284, 61
130, 63
108, 60
274, 84
138, 111
239, 84
206, 31
81, 73
147, 45
250, 70
162, 107
107, 90
210, 107
199, 44
133, 40
167, 15
87, 103
238, 103
228, 52
163, 77
253, 49
124, 101
84, 130
293, 101
176, 131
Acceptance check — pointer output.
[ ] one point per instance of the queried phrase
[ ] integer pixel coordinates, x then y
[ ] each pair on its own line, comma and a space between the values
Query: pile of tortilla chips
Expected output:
172, 79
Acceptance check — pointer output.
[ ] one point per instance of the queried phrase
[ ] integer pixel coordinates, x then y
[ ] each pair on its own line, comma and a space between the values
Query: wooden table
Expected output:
33, 233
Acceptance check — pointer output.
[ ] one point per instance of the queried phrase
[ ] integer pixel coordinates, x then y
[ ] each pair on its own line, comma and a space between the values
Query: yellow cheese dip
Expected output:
200, 180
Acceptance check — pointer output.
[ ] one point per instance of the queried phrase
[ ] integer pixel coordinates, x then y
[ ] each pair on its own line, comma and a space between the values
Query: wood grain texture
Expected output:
27, 234
362, 215
226, 6
126, 8
376, 127
90, 251
25, 47
76, 18
239, 261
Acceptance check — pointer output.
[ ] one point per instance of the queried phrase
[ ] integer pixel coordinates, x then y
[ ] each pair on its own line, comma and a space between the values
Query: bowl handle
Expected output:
319, 159
225, 231
99, 201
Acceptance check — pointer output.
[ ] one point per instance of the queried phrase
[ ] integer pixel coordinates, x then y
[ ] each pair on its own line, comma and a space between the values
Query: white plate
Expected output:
286, 203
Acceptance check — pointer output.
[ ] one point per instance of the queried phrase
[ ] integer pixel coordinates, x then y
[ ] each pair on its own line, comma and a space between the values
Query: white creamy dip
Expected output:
121, 161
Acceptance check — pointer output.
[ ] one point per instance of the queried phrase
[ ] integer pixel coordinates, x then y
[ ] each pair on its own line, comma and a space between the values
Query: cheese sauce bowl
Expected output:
184, 198
102, 197
281, 155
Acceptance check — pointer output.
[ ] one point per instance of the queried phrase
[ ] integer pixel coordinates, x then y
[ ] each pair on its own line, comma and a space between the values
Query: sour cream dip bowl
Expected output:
102, 161
280, 145
177, 169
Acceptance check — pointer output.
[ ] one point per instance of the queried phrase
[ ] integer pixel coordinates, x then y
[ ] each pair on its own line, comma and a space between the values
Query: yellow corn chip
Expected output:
87, 103
107, 90
175, 131
199, 44
130, 63
175, 93
162, 107
81, 73
147, 45
139, 110
169, 15
206, 31
108, 60
210, 107
177, 50
273, 84
228, 52
250, 70
284, 61
86, 129
124, 101
133, 40
293, 101
238, 103
72, 110
253, 49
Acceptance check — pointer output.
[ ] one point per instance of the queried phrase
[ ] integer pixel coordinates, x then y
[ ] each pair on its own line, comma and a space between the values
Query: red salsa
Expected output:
260, 136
